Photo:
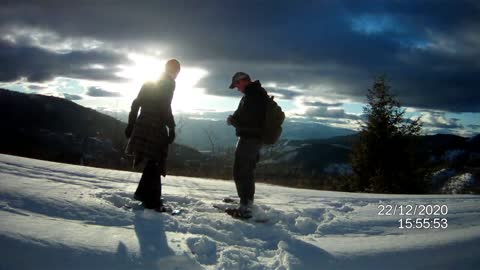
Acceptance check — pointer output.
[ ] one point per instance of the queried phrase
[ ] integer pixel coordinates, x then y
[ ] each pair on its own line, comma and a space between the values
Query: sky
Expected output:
317, 57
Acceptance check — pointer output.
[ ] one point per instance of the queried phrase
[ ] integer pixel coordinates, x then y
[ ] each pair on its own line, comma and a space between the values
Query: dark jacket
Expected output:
155, 99
149, 138
249, 117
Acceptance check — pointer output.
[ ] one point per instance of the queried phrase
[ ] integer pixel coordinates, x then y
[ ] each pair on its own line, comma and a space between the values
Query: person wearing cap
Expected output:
151, 132
248, 121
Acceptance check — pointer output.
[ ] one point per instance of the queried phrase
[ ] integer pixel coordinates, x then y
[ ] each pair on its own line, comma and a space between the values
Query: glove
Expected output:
171, 135
128, 131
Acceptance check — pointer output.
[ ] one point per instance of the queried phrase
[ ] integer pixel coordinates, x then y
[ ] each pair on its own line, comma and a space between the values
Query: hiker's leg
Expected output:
246, 158
157, 186
142, 188
152, 185
253, 158
239, 168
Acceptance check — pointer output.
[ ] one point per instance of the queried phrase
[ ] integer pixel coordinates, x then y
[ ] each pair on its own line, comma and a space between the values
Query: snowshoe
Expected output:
239, 213
229, 200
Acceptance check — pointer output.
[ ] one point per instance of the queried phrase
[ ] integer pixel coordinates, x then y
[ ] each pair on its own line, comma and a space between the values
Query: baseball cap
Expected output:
237, 77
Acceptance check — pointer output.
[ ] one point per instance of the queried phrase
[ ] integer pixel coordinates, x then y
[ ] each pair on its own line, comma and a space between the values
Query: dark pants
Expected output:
149, 188
247, 155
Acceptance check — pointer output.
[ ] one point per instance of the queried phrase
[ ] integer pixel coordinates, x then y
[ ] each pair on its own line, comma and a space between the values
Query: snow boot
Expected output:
245, 210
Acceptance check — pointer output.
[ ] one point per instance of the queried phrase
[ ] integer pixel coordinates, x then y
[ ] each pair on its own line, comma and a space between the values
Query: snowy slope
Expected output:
58, 216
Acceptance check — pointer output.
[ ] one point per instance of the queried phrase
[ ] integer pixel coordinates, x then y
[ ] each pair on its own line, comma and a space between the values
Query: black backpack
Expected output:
274, 117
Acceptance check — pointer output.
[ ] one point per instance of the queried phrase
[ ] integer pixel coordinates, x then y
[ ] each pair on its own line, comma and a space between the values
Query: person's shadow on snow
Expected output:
154, 250
152, 239
304, 256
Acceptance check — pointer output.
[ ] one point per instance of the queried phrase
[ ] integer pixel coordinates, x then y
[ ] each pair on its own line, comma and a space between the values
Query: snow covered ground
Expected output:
458, 183
59, 216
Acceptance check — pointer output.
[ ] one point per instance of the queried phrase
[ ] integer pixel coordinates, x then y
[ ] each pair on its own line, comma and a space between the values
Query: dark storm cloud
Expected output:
98, 92
39, 65
430, 54
442, 14
72, 97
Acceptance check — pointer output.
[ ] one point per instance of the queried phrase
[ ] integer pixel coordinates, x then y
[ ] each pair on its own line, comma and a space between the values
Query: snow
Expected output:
458, 183
442, 175
60, 216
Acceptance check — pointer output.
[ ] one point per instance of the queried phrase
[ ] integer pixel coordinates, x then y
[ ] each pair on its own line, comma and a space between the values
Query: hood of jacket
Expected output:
255, 88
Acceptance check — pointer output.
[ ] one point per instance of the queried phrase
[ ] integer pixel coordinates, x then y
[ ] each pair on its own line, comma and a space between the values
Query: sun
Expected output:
144, 68
187, 94
149, 68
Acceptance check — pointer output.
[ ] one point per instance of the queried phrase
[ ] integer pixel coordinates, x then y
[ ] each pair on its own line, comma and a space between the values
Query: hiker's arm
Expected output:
235, 119
136, 104
248, 111
170, 120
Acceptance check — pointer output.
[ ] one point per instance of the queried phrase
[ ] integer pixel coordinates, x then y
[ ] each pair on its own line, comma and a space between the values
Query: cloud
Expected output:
46, 39
40, 65
50, 92
36, 87
438, 120
321, 104
325, 112
98, 92
218, 80
284, 93
72, 97
331, 49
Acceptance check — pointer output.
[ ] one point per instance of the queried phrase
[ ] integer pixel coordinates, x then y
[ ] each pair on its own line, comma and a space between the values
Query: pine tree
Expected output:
385, 158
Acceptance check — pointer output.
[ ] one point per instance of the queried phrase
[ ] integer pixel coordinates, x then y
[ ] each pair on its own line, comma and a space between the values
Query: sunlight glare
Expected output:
145, 68
187, 95
148, 68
